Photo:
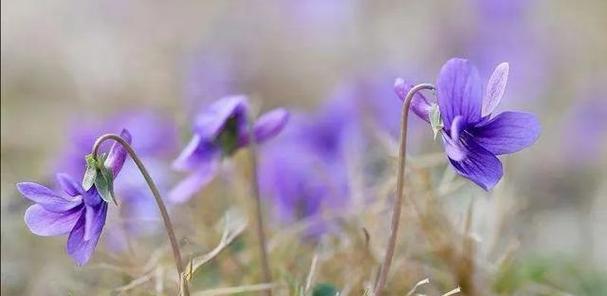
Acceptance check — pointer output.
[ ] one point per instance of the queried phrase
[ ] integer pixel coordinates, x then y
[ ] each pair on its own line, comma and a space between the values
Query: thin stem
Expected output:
385, 267
261, 236
163, 211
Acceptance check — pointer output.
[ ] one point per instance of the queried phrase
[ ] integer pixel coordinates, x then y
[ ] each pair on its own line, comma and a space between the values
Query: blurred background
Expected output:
72, 70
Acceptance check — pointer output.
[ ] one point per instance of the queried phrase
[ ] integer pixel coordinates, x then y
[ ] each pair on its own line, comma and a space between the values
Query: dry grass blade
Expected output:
311, 273
135, 283
150, 270
367, 237
303, 224
236, 290
232, 229
453, 292
159, 275
420, 283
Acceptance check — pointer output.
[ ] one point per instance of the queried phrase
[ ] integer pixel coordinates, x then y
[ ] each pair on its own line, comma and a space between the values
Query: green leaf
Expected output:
324, 289
435, 120
91, 172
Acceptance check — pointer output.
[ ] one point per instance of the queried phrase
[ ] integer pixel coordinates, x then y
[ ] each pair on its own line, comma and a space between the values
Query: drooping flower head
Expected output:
219, 132
156, 142
472, 135
76, 211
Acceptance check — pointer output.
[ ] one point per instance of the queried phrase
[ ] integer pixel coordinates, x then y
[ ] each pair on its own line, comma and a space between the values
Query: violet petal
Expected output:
79, 248
267, 126
420, 105
270, 124
508, 132
196, 153
89, 221
194, 183
68, 184
457, 126
209, 123
46, 223
117, 155
495, 88
459, 91
47, 198
480, 166
92, 197
451, 141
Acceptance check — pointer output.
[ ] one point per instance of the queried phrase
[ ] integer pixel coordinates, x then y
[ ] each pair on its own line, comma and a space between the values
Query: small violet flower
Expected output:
156, 142
219, 132
472, 135
76, 211
305, 172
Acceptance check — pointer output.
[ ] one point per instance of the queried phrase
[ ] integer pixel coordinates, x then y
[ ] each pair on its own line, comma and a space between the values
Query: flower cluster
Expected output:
305, 171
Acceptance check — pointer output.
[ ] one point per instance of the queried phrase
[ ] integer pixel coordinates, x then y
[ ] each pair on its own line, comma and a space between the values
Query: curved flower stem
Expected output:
261, 236
163, 211
385, 267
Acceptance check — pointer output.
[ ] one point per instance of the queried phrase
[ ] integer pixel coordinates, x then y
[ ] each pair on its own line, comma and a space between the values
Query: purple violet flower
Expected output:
301, 184
305, 171
584, 125
472, 135
156, 142
75, 211
219, 132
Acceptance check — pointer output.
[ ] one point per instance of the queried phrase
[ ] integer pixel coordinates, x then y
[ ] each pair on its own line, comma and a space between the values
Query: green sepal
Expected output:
228, 138
436, 121
105, 184
90, 174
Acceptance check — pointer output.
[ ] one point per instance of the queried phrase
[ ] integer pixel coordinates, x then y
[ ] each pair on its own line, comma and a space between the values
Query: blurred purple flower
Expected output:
325, 132
471, 135
585, 126
75, 211
301, 184
219, 132
305, 170
156, 140
504, 31
371, 98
